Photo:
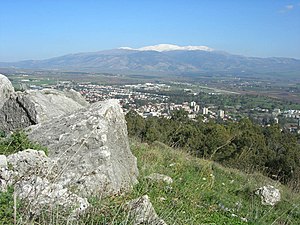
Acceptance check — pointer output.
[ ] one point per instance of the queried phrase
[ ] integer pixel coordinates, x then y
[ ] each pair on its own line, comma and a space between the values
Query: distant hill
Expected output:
163, 59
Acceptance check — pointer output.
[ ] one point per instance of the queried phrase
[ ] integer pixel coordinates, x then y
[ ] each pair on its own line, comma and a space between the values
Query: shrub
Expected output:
6, 209
18, 141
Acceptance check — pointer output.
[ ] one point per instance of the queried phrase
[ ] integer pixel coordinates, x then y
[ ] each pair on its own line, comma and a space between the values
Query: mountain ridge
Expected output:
162, 59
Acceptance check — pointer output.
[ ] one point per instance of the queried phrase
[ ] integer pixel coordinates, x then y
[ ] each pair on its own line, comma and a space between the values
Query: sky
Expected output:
40, 29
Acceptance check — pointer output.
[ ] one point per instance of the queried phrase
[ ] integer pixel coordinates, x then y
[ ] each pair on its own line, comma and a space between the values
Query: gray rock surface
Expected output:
91, 149
142, 212
76, 96
4, 176
19, 110
3, 161
269, 195
15, 110
51, 103
34, 162
41, 194
6, 89
33, 176
157, 177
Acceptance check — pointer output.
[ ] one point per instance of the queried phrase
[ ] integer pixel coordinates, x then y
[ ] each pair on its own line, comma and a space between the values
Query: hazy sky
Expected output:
38, 29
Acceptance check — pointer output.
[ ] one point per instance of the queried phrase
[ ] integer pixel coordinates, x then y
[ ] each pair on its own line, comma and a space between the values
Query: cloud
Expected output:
287, 8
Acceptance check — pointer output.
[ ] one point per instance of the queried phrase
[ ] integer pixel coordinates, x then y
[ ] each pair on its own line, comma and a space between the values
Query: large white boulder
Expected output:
33, 176
19, 110
6, 89
41, 194
91, 149
31, 162
51, 103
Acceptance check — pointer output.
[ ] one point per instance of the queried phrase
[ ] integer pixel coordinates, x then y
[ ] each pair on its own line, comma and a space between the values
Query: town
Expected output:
157, 99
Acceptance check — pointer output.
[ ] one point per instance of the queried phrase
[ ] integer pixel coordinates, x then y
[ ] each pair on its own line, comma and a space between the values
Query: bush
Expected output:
2, 134
6, 207
16, 142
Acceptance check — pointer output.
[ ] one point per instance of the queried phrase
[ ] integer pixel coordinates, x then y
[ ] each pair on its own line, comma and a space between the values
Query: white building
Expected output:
196, 108
205, 111
277, 111
221, 113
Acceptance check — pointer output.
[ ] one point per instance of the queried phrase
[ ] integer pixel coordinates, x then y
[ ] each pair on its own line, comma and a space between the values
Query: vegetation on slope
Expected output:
243, 145
205, 192
202, 192
16, 142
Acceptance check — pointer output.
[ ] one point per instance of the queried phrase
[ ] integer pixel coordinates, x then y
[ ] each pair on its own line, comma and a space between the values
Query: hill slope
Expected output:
163, 59
205, 192
202, 192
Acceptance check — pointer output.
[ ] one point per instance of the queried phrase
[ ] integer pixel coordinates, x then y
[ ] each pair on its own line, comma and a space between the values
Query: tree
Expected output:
135, 124
179, 115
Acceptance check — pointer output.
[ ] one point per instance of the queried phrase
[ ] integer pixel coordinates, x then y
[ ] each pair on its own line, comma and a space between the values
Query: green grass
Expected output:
6, 207
202, 192
16, 142
205, 192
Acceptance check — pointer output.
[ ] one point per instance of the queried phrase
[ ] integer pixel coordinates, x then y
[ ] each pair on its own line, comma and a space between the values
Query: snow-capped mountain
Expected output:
169, 47
164, 59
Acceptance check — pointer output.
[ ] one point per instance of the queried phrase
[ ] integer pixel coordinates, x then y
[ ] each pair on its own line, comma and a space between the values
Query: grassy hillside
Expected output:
202, 192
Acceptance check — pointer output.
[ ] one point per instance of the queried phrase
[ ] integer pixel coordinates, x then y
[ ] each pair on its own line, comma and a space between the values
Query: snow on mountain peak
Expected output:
169, 47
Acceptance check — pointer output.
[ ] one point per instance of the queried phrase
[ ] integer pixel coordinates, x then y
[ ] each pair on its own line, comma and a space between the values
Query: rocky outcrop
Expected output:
142, 212
6, 89
88, 154
269, 195
91, 149
51, 103
33, 176
32, 162
41, 194
17, 112
22, 109
87, 144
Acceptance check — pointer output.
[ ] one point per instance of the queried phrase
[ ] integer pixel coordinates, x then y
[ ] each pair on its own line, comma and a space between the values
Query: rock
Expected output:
16, 111
40, 194
91, 149
76, 96
269, 195
32, 162
51, 103
160, 178
33, 176
6, 89
4, 176
19, 110
3, 185
3, 161
142, 212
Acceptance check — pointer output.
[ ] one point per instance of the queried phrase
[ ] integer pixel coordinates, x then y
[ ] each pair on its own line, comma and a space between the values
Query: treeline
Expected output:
224, 100
243, 145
